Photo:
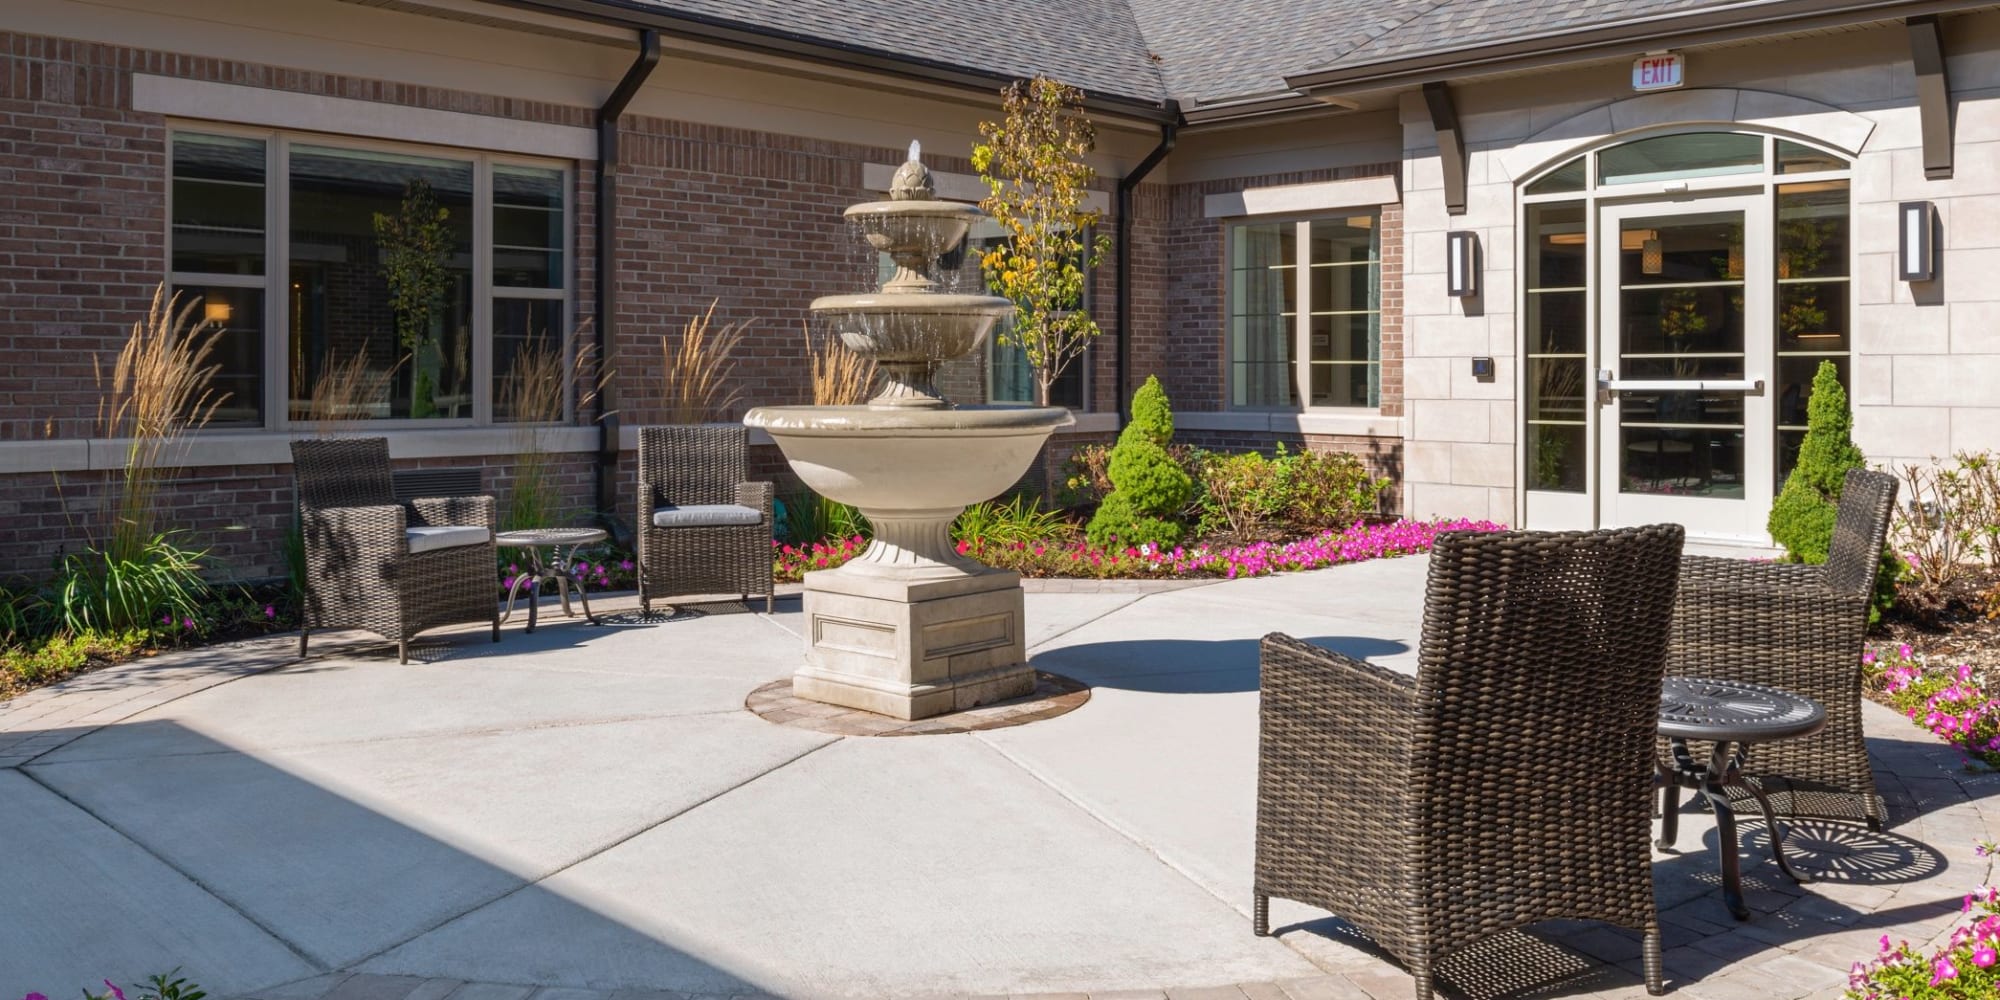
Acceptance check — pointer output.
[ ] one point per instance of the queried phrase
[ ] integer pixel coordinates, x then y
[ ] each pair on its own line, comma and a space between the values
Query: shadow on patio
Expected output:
247, 875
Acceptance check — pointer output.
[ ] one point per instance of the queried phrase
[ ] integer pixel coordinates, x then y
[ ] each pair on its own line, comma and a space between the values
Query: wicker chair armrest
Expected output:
1385, 700
377, 529
455, 511
1793, 587
756, 495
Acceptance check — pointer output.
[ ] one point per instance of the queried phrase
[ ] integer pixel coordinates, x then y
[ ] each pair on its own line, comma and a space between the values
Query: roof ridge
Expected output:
1368, 38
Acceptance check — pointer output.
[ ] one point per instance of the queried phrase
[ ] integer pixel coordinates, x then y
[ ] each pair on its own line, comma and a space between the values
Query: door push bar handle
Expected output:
1607, 383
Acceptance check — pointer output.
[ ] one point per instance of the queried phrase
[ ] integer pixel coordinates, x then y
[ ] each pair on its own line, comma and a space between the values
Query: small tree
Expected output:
1032, 163
416, 258
1148, 488
1802, 518
1803, 515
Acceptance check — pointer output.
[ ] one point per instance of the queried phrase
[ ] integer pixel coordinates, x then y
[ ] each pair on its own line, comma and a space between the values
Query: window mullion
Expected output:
482, 291
278, 390
1302, 317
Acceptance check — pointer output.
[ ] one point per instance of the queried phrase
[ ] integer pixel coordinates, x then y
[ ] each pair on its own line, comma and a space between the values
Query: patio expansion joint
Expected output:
471, 731
1094, 619
529, 883
296, 949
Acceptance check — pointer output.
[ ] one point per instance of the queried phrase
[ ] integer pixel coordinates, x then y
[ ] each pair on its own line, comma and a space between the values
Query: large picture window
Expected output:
415, 277
1305, 313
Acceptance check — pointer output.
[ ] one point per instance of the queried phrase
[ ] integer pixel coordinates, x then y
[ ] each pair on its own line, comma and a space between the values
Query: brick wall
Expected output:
1191, 358
749, 220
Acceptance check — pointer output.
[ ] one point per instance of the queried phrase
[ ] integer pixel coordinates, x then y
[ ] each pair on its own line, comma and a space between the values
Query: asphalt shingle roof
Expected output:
1456, 24
1093, 44
1196, 51
1212, 50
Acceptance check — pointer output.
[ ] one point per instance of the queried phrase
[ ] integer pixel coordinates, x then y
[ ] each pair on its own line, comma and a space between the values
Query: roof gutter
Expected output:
1169, 135
767, 39
1759, 19
607, 262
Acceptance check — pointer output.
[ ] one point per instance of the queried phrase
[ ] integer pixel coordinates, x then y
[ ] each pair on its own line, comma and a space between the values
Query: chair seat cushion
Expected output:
430, 538
706, 515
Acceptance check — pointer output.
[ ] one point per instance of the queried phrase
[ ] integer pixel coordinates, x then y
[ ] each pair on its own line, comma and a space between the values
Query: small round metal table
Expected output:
1734, 716
556, 568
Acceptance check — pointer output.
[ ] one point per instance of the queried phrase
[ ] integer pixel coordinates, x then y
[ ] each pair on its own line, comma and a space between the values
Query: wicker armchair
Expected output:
1799, 629
389, 568
1509, 782
703, 528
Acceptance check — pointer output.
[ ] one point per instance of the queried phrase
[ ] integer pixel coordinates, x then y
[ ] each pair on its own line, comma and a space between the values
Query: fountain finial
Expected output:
913, 180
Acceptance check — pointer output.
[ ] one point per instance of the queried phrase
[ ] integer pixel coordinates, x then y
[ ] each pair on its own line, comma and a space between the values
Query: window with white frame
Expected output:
296, 248
1305, 312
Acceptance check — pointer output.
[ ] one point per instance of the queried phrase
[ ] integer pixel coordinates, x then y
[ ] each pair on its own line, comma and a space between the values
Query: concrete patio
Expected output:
590, 810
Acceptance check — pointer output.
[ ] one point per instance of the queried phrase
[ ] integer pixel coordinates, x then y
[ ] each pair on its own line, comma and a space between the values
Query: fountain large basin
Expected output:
885, 460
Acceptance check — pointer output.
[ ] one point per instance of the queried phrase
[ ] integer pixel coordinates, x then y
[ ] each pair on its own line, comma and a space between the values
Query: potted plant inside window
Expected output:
416, 253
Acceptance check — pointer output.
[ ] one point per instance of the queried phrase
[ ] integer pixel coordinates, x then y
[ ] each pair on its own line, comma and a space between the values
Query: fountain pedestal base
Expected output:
914, 649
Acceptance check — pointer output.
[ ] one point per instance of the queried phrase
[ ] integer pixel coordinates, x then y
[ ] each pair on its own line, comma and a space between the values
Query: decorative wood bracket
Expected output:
1933, 94
1451, 144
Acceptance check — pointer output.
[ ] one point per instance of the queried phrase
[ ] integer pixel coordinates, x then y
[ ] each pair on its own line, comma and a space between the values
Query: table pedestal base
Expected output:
1723, 771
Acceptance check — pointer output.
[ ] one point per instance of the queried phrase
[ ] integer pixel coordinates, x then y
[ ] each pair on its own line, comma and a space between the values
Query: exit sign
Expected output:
1658, 71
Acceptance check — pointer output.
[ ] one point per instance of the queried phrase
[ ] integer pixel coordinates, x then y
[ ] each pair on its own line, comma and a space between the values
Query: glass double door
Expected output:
1685, 423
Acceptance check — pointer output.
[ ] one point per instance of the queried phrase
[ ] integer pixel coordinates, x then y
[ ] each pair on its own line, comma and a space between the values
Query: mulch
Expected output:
1952, 631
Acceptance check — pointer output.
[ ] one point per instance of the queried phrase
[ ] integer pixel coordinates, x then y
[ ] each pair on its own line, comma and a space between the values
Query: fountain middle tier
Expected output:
910, 334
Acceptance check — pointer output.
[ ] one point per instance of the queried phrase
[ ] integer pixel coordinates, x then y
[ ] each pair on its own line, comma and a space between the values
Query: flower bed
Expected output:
1955, 703
1067, 558
1966, 967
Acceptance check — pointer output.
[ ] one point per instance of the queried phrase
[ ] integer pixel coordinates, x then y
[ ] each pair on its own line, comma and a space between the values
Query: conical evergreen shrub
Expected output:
1148, 488
1803, 515
1802, 518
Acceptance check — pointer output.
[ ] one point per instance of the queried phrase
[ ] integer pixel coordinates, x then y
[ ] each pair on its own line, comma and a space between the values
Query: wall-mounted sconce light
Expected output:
1482, 369
215, 312
1461, 271
1916, 241
1651, 259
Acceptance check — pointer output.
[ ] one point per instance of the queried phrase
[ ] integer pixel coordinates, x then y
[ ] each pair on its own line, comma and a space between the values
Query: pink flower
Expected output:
36, 996
1984, 956
115, 991
270, 611
1942, 971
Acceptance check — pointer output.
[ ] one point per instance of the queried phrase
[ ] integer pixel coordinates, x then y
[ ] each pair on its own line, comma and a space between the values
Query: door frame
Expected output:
1577, 167
1726, 519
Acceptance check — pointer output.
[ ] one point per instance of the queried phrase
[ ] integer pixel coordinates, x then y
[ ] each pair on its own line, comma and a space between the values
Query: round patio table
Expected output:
1733, 716
555, 568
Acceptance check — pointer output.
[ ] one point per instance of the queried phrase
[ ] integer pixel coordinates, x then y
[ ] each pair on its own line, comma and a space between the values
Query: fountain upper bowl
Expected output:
925, 229
898, 459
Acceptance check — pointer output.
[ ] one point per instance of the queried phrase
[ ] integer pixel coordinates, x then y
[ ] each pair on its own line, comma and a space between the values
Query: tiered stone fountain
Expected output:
910, 628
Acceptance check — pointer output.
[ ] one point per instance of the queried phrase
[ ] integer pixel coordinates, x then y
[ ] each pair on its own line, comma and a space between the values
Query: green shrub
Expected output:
1241, 492
1149, 489
157, 582
23, 616
1299, 492
1086, 477
1018, 520
51, 657
1328, 489
807, 517
1802, 517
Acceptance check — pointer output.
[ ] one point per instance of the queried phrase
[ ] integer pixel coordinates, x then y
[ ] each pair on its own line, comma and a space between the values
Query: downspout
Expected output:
1169, 134
607, 266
